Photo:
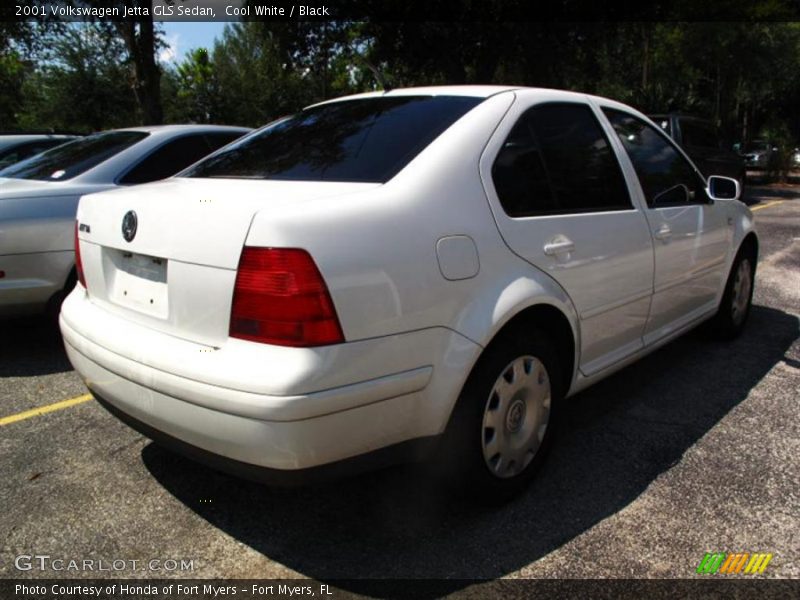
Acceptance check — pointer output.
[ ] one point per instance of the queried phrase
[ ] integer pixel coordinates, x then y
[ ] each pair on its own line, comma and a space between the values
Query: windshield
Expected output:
71, 159
363, 140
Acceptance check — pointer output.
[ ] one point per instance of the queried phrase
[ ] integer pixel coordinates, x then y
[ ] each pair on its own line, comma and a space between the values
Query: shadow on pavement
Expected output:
31, 346
619, 436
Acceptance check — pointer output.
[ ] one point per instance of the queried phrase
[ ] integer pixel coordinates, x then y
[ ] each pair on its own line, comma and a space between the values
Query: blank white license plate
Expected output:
140, 283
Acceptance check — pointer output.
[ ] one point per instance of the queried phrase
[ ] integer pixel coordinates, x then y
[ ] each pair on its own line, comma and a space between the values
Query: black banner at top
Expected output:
401, 10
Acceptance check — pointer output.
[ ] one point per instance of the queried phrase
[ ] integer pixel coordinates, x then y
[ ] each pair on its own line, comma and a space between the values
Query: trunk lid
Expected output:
177, 271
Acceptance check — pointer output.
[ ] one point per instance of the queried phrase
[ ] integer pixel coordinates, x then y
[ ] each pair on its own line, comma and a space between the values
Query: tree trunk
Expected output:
645, 56
718, 97
140, 40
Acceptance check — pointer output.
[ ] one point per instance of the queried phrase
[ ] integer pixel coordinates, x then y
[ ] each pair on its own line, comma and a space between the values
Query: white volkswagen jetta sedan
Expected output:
389, 276
39, 197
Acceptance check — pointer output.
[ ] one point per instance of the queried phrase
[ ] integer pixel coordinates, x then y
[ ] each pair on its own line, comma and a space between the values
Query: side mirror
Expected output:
722, 188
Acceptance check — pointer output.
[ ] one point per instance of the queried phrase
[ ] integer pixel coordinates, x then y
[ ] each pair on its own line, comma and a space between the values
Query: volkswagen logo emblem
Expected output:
129, 224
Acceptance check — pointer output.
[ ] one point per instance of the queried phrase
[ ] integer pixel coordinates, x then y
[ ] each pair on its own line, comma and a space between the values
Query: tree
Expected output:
84, 62
141, 41
197, 93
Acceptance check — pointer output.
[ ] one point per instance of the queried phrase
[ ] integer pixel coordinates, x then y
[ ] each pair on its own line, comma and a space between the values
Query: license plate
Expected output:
139, 282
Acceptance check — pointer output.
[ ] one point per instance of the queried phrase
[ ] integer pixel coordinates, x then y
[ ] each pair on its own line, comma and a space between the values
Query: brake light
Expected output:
280, 298
78, 263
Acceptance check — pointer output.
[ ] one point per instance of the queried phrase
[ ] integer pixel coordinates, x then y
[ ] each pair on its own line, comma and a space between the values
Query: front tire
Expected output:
737, 299
503, 423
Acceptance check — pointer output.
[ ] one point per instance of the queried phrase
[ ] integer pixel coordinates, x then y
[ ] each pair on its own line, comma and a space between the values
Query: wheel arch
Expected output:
553, 321
750, 245
555, 325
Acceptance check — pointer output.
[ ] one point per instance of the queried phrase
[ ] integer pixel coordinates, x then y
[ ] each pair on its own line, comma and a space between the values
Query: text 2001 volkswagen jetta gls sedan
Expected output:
387, 276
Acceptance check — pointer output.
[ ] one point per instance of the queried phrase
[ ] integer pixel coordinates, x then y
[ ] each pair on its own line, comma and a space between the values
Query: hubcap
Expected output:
742, 284
516, 416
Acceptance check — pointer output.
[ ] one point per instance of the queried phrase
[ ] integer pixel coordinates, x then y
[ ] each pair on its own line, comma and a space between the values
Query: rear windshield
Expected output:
71, 159
365, 140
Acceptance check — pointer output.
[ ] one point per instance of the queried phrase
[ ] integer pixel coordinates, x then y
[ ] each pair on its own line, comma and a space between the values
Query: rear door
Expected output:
561, 203
691, 235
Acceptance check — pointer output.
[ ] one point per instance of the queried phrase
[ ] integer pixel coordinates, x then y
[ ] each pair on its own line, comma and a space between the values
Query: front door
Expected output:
691, 235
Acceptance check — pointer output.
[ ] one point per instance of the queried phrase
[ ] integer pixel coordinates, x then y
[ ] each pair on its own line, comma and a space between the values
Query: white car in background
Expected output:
422, 272
39, 197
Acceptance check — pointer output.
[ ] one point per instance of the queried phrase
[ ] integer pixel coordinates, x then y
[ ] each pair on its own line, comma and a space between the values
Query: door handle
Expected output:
663, 233
560, 244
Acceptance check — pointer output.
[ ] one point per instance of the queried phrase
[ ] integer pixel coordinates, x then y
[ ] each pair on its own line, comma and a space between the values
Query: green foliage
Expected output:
80, 83
12, 76
254, 75
744, 76
196, 91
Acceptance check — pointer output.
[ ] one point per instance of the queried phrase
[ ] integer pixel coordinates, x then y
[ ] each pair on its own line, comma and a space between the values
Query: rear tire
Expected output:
734, 308
504, 420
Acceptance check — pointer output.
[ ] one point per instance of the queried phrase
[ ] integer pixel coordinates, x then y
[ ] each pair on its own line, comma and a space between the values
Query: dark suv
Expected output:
701, 142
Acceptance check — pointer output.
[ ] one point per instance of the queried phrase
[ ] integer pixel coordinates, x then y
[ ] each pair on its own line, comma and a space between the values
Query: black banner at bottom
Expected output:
293, 589
303, 589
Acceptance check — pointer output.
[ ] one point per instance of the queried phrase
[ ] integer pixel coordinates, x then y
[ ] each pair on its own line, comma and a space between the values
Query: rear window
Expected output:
14, 154
364, 140
71, 159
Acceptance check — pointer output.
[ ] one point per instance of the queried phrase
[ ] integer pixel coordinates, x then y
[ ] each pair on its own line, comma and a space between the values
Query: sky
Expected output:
183, 37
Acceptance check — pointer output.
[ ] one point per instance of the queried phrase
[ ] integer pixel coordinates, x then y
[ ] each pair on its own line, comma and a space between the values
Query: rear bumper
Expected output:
284, 432
405, 452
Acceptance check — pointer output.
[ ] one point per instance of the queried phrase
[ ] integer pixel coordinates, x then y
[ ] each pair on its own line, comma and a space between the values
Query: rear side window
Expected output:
667, 178
167, 160
73, 158
557, 160
366, 140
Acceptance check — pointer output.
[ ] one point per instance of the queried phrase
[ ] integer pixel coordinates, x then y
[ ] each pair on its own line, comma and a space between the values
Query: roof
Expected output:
474, 91
32, 137
175, 128
13, 141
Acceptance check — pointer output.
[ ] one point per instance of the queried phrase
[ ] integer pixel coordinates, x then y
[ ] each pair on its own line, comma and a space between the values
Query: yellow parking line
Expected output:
42, 410
767, 205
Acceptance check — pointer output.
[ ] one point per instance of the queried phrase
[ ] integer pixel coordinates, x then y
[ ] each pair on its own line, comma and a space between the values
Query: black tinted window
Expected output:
367, 140
557, 160
666, 177
23, 151
73, 158
698, 134
168, 159
218, 140
662, 122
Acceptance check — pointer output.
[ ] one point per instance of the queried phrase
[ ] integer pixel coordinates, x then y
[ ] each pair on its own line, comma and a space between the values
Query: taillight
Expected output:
280, 298
78, 263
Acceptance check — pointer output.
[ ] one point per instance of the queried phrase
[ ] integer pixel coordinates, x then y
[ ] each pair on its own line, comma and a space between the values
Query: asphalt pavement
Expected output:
694, 449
